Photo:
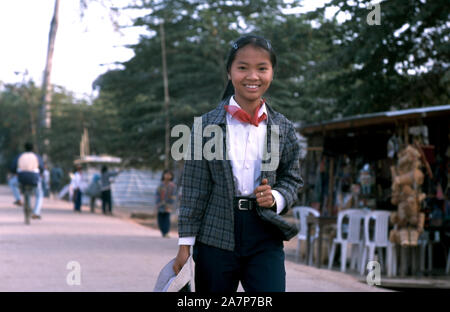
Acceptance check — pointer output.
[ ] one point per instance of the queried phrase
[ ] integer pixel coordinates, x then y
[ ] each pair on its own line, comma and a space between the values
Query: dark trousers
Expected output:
92, 203
164, 222
106, 201
77, 200
257, 261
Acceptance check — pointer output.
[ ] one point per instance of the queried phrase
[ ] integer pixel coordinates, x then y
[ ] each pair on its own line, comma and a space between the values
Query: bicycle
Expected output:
27, 191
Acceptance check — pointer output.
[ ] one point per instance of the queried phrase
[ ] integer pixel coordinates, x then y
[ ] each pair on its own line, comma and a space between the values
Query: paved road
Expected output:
114, 254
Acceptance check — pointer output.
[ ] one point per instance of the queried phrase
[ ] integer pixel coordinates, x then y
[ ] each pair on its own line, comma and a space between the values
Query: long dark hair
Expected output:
254, 40
164, 173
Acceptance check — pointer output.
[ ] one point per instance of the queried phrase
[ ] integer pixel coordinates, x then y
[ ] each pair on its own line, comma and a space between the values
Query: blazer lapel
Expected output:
220, 119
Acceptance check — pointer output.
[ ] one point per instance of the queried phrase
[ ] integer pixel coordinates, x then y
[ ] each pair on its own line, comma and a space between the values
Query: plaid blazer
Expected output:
206, 205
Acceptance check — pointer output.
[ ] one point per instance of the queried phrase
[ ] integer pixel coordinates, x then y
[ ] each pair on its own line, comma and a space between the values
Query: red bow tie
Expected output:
243, 116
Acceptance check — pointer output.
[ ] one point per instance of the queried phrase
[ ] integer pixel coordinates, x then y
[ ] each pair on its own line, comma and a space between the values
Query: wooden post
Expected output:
166, 95
331, 187
406, 135
46, 86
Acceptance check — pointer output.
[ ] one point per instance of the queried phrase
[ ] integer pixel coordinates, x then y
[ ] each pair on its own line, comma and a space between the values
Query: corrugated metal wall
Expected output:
135, 188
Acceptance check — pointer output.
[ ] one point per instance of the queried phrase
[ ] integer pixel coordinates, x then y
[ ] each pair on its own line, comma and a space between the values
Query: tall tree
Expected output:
46, 85
166, 96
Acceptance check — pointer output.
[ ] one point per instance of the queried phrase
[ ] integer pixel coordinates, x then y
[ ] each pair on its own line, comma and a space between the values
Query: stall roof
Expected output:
375, 119
94, 159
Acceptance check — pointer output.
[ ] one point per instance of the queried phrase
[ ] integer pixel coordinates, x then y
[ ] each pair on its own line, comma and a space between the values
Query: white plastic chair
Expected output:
380, 240
354, 238
301, 214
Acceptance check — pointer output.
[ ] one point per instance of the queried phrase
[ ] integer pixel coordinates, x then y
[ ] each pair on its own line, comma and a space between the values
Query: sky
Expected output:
84, 49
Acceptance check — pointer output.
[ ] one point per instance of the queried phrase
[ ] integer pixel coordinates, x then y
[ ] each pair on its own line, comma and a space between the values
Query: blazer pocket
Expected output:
271, 176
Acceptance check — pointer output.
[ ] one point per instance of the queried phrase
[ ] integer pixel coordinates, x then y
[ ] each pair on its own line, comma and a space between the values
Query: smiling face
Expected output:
251, 74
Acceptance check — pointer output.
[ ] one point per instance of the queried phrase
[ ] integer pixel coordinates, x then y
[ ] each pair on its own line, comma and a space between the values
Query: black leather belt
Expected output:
245, 203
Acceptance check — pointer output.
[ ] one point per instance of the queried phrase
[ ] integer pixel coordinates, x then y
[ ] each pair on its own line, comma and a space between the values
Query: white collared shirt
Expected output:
245, 146
79, 181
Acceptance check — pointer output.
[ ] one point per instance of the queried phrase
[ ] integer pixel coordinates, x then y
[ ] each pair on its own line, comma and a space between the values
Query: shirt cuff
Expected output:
187, 241
279, 199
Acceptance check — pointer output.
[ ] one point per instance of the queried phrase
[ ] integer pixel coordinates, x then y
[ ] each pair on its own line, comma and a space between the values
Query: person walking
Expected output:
94, 191
78, 186
39, 193
56, 175
106, 179
230, 210
165, 200
46, 181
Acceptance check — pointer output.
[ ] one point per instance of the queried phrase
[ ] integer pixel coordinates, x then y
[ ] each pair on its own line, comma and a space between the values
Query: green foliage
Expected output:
400, 63
18, 121
198, 38
20, 105
326, 70
299, 48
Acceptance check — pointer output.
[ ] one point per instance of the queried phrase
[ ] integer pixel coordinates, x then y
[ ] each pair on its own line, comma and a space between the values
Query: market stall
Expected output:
349, 160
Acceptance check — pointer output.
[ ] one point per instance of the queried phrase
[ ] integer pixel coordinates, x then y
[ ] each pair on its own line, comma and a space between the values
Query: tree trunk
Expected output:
46, 84
166, 95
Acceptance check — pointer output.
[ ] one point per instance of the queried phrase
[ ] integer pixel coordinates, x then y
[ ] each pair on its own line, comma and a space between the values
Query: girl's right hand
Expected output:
181, 258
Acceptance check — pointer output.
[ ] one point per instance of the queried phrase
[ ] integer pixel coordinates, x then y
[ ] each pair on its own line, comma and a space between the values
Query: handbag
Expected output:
287, 230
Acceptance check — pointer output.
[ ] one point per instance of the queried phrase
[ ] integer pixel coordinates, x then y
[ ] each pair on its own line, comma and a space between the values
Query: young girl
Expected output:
222, 200
165, 199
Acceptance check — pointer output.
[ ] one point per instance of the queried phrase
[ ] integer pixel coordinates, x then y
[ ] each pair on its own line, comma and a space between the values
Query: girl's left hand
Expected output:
263, 194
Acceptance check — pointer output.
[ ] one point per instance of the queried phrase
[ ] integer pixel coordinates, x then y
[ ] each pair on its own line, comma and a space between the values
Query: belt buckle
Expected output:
239, 204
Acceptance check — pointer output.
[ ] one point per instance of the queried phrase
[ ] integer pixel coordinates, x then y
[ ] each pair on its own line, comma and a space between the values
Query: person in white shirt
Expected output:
29, 167
78, 186
46, 181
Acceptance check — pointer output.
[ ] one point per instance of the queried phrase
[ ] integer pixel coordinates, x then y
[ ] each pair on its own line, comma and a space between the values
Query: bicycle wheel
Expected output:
26, 208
